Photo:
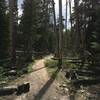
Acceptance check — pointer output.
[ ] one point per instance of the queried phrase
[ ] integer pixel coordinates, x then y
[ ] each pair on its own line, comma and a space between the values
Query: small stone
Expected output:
12, 72
64, 85
66, 89
55, 98
82, 91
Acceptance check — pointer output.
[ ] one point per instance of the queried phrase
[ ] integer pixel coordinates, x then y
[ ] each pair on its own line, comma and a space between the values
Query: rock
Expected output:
66, 89
63, 85
12, 72
82, 91
54, 98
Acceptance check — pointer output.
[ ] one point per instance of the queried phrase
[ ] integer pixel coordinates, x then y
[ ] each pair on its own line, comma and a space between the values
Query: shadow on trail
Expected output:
72, 96
34, 70
46, 86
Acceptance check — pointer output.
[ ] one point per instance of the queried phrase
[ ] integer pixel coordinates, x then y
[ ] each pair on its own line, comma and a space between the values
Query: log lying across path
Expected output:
18, 90
7, 90
87, 82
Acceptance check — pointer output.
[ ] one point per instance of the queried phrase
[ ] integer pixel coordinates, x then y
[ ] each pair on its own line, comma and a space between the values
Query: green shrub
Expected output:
51, 63
67, 65
26, 69
51, 66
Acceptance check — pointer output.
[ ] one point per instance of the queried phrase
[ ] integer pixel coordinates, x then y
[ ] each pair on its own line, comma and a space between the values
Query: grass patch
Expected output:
27, 69
2, 72
21, 70
52, 66
67, 65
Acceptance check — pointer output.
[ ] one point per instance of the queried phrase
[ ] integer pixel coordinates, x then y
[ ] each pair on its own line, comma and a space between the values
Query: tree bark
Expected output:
55, 29
76, 2
70, 8
54, 15
60, 33
13, 29
66, 15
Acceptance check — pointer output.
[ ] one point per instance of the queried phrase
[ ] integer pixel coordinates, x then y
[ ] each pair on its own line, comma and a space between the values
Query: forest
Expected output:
40, 47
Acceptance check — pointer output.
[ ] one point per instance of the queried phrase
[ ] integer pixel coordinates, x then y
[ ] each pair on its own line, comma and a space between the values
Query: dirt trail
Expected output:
42, 87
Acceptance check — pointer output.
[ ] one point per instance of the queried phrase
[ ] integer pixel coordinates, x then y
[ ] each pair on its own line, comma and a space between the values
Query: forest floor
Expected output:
46, 87
42, 86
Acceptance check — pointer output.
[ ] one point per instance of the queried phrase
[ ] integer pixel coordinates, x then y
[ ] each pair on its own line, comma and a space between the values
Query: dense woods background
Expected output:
38, 31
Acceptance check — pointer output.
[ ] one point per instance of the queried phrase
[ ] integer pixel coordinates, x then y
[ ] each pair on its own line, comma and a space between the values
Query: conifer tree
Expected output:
4, 33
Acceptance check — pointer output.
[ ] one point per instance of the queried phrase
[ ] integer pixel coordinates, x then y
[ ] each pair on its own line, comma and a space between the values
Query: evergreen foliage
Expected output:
35, 28
4, 33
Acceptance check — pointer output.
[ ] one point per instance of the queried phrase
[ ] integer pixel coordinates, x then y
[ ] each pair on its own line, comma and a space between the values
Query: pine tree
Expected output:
30, 24
60, 33
13, 20
4, 33
35, 26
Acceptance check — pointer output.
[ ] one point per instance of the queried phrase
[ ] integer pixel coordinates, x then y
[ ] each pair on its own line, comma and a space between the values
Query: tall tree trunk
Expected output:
13, 29
27, 29
54, 15
29, 58
65, 36
55, 29
60, 33
70, 11
66, 14
77, 32
71, 32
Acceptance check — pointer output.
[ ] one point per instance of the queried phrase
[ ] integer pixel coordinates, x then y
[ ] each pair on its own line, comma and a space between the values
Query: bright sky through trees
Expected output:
56, 8
63, 9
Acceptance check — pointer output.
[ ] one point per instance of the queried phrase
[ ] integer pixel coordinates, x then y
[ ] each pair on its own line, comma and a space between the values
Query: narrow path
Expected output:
42, 87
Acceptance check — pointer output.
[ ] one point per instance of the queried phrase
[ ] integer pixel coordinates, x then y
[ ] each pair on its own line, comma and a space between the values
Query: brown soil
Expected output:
42, 87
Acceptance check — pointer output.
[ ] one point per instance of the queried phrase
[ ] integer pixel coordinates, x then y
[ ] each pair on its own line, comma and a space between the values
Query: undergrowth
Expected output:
21, 70
52, 66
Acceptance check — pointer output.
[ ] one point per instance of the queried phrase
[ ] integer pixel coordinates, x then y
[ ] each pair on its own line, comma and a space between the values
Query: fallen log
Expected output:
87, 82
7, 90
18, 89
